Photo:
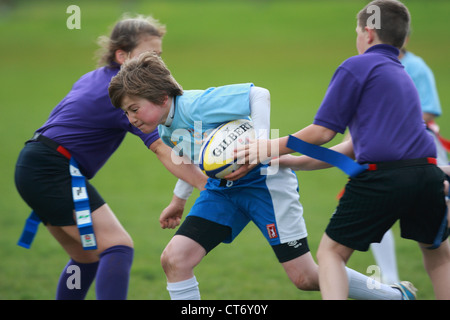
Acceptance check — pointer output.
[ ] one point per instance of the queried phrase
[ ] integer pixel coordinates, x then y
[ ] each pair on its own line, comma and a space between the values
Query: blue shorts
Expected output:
270, 201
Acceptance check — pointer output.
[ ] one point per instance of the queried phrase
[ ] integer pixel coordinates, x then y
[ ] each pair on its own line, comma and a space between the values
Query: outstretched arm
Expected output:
262, 150
306, 163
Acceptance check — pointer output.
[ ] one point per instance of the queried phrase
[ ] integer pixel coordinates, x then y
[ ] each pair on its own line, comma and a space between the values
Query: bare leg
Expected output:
332, 258
437, 265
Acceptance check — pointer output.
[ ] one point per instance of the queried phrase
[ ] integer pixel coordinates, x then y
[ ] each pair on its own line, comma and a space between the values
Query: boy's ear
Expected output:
121, 56
371, 35
166, 99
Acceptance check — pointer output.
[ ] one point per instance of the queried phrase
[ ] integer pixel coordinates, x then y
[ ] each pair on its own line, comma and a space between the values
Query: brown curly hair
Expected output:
126, 35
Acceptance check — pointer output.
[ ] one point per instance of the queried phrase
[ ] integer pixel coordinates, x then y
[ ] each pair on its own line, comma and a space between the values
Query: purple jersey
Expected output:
374, 97
87, 124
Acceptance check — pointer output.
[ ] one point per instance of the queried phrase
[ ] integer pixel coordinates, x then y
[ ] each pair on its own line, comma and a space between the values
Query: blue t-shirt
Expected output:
88, 125
197, 112
376, 99
423, 78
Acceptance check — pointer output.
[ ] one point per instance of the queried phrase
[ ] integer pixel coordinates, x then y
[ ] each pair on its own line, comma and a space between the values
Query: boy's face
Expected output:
144, 114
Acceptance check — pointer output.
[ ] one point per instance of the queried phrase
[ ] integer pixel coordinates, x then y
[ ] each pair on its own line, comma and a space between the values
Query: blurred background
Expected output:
291, 48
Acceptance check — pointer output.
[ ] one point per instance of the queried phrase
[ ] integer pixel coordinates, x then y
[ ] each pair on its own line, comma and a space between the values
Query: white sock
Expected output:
361, 287
184, 290
385, 258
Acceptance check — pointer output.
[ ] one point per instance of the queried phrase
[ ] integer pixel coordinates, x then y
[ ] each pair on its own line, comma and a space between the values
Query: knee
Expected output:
127, 241
307, 282
171, 260
319, 254
330, 250
180, 256
122, 239
322, 253
165, 259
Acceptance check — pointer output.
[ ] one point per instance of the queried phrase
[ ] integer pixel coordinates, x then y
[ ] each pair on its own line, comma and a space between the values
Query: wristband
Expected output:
182, 189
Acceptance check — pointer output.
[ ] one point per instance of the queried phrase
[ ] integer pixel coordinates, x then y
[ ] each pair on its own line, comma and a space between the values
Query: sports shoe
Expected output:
407, 289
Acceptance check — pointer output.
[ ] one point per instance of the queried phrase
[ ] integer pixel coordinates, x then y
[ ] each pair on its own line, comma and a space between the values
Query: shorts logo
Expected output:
294, 244
272, 231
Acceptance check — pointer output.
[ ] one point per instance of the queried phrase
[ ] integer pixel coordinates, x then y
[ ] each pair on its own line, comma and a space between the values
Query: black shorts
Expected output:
209, 234
44, 182
374, 200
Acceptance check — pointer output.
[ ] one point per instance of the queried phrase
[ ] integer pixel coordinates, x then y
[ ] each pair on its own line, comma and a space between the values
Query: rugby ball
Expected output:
216, 154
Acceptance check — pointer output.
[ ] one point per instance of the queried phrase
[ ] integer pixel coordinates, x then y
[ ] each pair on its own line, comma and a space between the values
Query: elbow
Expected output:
323, 134
328, 135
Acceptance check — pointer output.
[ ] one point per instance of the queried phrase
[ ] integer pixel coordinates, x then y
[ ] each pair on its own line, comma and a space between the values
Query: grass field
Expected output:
290, 47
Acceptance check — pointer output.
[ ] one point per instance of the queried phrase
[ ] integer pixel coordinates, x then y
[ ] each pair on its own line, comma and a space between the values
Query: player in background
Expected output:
423, 78
90, 129
374, 97
146, 91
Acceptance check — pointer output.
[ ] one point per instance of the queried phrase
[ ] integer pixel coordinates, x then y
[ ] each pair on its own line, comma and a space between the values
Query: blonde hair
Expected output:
145, 77
126, 34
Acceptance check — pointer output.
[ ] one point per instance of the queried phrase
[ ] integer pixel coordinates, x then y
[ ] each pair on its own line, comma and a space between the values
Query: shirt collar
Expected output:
384, 48
171, 114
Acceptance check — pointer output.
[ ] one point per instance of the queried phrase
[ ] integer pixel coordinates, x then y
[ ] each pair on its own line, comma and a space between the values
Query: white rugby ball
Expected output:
216, 154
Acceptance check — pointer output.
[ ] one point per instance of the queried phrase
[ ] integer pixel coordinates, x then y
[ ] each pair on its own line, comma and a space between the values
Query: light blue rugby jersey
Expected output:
197, 112
424, 80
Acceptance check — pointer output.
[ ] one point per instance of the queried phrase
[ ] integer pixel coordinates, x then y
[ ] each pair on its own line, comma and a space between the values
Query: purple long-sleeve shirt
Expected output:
87, 124
376, 99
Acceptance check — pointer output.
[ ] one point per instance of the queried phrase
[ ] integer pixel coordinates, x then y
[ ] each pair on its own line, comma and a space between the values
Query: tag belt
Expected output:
51, 144
80, 200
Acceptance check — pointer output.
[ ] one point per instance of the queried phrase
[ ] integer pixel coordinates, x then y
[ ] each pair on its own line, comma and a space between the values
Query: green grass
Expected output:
289, 47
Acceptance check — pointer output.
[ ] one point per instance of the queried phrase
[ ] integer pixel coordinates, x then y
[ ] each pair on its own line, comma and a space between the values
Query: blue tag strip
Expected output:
82, 208
29, 231
443, 227
332, 157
